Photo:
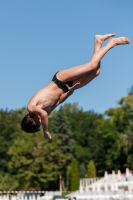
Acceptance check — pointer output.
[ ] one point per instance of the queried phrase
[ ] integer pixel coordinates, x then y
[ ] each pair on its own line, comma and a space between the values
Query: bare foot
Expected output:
101, 38
118, 41
47, 136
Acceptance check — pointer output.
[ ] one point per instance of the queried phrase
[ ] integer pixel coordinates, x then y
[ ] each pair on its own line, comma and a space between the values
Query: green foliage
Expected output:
129, 163
60, 126
74, 176
128, 135
120, 116
35, 161
28, 161
82, 170
91, 170
8, 182
131, 114
9, 130
68, 174
110, 148
130, 91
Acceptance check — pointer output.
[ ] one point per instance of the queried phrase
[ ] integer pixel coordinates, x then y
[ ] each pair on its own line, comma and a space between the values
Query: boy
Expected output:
63, 85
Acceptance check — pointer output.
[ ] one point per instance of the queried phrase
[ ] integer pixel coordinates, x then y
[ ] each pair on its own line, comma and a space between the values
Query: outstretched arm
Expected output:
44, 119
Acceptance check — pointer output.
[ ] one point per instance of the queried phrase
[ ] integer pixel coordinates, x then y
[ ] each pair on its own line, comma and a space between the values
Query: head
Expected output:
31, 123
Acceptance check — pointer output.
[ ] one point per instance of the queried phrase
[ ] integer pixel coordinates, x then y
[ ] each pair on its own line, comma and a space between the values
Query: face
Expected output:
37, 118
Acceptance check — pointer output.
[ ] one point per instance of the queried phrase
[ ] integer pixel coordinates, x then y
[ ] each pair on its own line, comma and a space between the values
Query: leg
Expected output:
85, 79
78, 71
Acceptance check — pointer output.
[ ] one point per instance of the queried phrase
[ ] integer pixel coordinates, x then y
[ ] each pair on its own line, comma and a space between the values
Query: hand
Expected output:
47, 135
71, 89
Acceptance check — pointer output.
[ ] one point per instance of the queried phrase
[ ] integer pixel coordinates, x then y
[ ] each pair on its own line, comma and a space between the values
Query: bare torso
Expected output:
47, 98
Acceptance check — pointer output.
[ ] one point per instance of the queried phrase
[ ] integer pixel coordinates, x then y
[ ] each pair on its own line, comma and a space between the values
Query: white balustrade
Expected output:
115, 186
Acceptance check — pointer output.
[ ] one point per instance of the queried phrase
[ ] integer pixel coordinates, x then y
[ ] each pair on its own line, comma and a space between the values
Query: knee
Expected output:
94, 65
98, 71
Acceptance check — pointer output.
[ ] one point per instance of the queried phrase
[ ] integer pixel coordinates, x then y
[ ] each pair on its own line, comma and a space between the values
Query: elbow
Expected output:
44, 115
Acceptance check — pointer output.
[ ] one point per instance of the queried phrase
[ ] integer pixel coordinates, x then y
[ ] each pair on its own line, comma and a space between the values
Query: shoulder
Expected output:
31, 107
37, 110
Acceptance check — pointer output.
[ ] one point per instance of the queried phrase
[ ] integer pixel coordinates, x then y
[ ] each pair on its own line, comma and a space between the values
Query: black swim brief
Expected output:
61, 84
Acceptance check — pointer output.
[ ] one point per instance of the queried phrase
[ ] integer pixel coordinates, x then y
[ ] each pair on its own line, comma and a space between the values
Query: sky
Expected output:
39, 38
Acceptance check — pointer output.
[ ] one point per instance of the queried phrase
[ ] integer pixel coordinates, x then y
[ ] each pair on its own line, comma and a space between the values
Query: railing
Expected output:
28, 195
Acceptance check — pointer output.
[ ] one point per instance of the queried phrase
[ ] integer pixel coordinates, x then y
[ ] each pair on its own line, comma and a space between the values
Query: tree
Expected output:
91, 170
9, 130
82, 170
131, 114
74, 176
120, 116
128, 135
8, 182
61, 127
34, 161
130, 90
68, 182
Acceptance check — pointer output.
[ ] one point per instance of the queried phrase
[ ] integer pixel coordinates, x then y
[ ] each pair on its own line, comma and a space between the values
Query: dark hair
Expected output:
27, 125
